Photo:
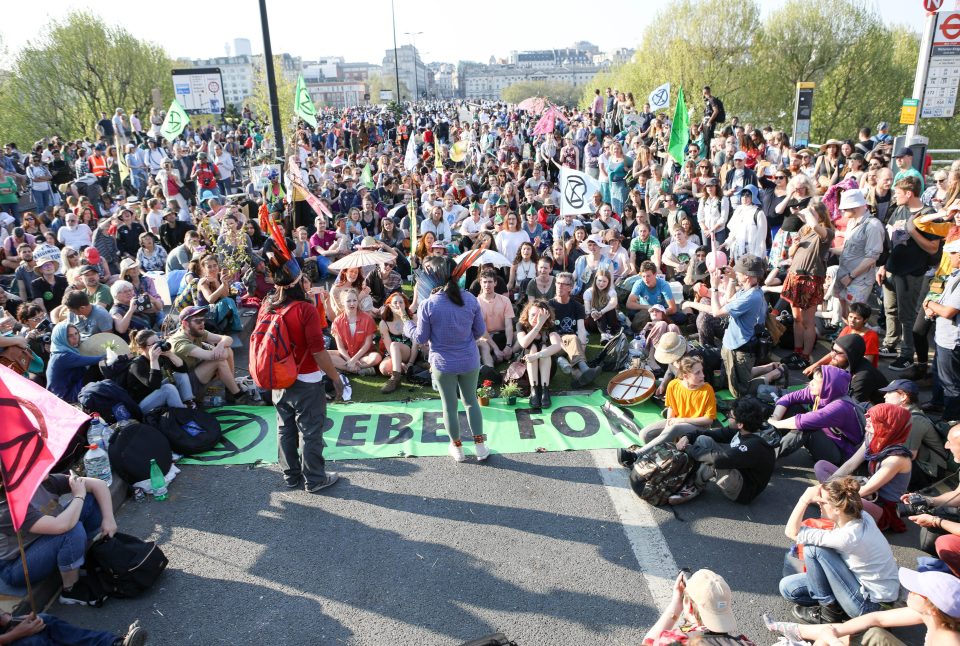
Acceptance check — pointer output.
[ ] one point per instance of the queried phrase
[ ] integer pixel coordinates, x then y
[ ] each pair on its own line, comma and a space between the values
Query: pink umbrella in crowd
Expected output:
548, 122
533, 105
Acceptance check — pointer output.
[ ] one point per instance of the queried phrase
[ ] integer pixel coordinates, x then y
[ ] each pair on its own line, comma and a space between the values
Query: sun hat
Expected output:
670, 348
127, 264
750, 265
595, 238
852, 198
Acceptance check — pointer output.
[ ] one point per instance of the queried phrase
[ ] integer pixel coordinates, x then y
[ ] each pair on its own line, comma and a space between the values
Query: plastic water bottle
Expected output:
637, 346
157, 481
96, 463
96, 430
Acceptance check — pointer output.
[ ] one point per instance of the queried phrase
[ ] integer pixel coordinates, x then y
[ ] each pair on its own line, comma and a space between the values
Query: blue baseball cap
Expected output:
905, 385
940, 588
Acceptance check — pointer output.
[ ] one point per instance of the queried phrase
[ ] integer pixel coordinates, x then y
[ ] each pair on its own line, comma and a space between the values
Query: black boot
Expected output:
831, 614
545, 396
534, 396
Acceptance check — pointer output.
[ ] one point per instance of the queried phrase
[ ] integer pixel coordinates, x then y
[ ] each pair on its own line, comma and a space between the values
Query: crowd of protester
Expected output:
747, 240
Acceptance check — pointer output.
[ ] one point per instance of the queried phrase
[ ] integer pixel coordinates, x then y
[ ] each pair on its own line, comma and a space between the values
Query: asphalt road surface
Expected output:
549, 548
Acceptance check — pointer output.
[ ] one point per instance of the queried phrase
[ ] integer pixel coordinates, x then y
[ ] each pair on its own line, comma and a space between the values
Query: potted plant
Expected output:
485, 392
510, 391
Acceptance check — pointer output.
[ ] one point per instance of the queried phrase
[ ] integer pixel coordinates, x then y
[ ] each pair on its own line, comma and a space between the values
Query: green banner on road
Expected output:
359, 431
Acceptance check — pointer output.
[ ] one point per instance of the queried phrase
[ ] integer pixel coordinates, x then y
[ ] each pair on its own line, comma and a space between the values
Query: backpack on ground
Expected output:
125, 565
615, 355
272, 364
132, 447
659, 473
189, 431
103, 397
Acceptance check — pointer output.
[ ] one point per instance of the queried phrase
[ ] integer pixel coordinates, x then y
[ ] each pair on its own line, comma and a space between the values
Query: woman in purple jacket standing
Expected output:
451, 321
833, 429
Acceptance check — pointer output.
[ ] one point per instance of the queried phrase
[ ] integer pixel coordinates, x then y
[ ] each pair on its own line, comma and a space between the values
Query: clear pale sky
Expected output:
452, 31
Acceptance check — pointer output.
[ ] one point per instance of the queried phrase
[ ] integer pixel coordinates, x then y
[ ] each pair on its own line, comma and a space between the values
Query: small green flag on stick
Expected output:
175, 121
366, 177
302, 104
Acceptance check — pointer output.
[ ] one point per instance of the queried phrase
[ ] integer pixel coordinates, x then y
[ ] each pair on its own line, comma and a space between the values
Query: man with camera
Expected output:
207, 355
940, 523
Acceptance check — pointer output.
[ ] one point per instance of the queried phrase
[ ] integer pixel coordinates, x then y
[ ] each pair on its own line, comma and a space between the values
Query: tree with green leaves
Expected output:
862, 67
560, 93
77, 69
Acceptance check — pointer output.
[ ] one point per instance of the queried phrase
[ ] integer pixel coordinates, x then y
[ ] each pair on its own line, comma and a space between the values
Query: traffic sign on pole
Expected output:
908, 112
932, 5
943, 71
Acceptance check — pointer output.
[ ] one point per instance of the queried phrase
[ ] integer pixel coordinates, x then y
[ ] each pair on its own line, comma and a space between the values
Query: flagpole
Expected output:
23, 555
26, 572
271, 83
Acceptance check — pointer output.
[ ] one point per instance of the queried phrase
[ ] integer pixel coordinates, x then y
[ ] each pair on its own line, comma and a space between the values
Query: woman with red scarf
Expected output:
888, 464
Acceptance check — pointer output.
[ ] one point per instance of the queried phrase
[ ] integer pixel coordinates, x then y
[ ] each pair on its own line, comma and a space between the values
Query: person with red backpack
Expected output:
205, 174
287, 355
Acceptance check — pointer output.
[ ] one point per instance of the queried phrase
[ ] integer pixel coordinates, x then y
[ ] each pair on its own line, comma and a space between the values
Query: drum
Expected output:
632, 387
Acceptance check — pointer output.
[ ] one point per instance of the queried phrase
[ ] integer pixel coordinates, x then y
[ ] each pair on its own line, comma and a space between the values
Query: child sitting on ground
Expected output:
856, 324
691, 406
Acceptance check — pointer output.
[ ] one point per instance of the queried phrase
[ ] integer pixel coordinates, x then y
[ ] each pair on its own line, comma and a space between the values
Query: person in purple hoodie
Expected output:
833, 429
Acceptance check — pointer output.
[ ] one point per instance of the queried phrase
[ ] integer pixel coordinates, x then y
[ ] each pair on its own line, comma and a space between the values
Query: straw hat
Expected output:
670, 348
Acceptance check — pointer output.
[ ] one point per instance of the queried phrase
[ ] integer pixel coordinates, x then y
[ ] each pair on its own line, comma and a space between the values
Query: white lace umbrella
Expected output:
362, 258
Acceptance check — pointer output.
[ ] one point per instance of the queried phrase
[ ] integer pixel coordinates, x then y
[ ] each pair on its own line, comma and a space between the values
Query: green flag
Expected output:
366, 177
175, 121
302, 104
680, 130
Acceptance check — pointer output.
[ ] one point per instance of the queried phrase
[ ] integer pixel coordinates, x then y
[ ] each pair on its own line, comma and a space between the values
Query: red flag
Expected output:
315, 203
37, 428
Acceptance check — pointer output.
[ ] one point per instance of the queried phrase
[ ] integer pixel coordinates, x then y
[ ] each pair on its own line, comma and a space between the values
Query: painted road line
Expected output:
657, 566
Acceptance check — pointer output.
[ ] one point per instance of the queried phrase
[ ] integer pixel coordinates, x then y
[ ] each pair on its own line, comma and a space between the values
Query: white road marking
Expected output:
657, 566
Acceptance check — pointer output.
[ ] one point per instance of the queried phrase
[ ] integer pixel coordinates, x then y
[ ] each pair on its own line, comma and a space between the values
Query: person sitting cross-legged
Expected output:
737, 458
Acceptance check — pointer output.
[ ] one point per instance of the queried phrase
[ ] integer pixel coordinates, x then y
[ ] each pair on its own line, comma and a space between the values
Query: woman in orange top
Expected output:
353, 332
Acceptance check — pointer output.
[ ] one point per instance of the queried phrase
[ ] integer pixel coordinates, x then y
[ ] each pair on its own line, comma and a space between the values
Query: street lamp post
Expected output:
271, 81
396, 61
416, 75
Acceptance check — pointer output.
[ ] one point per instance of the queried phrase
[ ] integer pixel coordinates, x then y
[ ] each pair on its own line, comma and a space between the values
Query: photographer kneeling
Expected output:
941, 528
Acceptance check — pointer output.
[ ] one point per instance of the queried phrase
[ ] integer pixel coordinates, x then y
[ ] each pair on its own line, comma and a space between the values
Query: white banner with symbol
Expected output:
660, 98
576, 191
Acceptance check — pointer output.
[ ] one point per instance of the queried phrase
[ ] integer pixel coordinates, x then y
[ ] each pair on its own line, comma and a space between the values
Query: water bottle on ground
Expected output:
96, 463
157, 481
637, 346
95, 430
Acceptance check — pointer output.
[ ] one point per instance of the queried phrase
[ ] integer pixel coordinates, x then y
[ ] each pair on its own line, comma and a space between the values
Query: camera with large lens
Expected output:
142, 303
164, 346
914, 506
44, 326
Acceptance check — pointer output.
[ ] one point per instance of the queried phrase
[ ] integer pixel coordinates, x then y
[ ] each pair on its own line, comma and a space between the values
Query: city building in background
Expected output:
335, 82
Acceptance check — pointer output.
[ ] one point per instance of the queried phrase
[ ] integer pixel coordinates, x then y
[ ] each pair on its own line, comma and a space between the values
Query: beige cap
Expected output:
713, 599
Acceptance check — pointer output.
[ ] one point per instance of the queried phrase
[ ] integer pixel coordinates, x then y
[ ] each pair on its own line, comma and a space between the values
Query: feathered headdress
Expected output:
283, 267
430, 280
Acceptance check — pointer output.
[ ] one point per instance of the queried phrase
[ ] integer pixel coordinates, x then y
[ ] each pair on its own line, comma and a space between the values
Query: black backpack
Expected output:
124, 565
496, 639
660, 472
721, 111
132, 447
101, 396
189, 431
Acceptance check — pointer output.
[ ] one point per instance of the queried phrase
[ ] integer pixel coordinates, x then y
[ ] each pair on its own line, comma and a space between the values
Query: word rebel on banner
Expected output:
387, 430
